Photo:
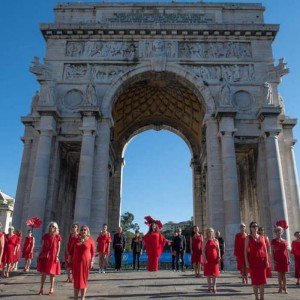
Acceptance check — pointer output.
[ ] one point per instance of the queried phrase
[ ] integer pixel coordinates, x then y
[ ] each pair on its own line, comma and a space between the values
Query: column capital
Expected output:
271, 132
89, 111
228, 112
226, 133
290, 142
107, 120
196, 165
48, 111
26, 139
268, 111
47, 125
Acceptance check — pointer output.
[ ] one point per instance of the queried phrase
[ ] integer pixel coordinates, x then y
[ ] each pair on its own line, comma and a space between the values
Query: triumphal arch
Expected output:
203, 71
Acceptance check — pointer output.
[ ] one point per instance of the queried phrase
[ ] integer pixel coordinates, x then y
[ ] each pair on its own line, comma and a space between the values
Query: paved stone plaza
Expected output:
143, 285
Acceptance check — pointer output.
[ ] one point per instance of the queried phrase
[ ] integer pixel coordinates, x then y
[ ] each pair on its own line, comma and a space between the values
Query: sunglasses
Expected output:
51, 226
254, 226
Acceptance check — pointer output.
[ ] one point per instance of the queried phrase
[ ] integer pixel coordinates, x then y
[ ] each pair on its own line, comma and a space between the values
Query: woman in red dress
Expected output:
211, 257
296, 252
72, 239
103, 246
256, 258
239, 252
154, 243
196, 242
48, 261
82, 255
14, 266
27, 252
1, 245
261, 232
10, 250
281, 258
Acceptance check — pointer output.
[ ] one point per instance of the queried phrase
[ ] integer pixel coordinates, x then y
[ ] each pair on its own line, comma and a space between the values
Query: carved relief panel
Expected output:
95, 72
103, 50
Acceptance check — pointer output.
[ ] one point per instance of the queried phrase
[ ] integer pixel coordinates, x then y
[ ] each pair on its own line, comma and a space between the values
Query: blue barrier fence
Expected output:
166, 257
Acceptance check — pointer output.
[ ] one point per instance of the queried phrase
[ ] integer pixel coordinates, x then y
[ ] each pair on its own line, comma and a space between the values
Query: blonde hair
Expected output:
87, 230
52, 223
278, 228
210, 231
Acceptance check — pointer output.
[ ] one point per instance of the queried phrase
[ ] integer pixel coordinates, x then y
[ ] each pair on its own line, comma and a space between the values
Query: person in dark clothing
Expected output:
137, 248
179, 246
222, 249
173, 251
118, 246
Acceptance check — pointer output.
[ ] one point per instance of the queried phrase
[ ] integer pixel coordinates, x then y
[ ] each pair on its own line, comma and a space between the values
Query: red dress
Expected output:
239, 250
48, 262
154, 243
296, 252
27, 251
257, 260
281, 258
10, 244
268, 270
72, 239
103, 242
82, 255
197, 241
211, 267
2, 234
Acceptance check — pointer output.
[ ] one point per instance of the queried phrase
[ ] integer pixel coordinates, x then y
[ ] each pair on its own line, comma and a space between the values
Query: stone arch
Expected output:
135, 131
158, 99
184, 76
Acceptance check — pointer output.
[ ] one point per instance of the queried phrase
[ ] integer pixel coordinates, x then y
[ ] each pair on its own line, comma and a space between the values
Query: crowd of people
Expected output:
254, 253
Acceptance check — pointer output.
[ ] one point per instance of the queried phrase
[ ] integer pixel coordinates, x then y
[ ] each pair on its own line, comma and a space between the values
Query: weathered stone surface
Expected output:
204, 71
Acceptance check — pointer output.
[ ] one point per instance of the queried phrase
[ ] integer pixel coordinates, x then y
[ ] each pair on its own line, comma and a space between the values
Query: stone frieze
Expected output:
149, 48
95, 72
214, 50
228, 73
103, 50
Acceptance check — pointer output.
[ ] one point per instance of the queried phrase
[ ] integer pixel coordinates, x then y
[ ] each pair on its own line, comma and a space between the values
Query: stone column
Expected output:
230, 183
39, 186
214, 201
85, 172
115, 201
99, 207
198, 207
277, 200
270, 130
19, 202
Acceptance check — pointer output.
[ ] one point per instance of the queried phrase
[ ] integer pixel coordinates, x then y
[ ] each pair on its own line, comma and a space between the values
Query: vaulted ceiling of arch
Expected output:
158, 101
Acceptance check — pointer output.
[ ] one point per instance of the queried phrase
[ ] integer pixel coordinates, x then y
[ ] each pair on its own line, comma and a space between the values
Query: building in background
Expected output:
6, 210
172, 226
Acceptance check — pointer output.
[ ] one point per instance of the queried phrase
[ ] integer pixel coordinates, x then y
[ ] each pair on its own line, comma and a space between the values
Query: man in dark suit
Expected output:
119, 247
179, 246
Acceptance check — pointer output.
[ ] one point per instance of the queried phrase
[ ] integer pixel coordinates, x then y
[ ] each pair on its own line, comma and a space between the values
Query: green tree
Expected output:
128, 227
127, 222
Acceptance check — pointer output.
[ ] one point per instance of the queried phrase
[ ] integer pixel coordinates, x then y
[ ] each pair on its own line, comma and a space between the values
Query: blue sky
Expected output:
157, 177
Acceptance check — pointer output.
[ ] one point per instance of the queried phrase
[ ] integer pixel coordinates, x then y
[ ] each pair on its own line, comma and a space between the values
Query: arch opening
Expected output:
159, 101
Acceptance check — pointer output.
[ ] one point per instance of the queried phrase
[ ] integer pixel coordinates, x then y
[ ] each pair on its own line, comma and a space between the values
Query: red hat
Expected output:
150, 220
282, 223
